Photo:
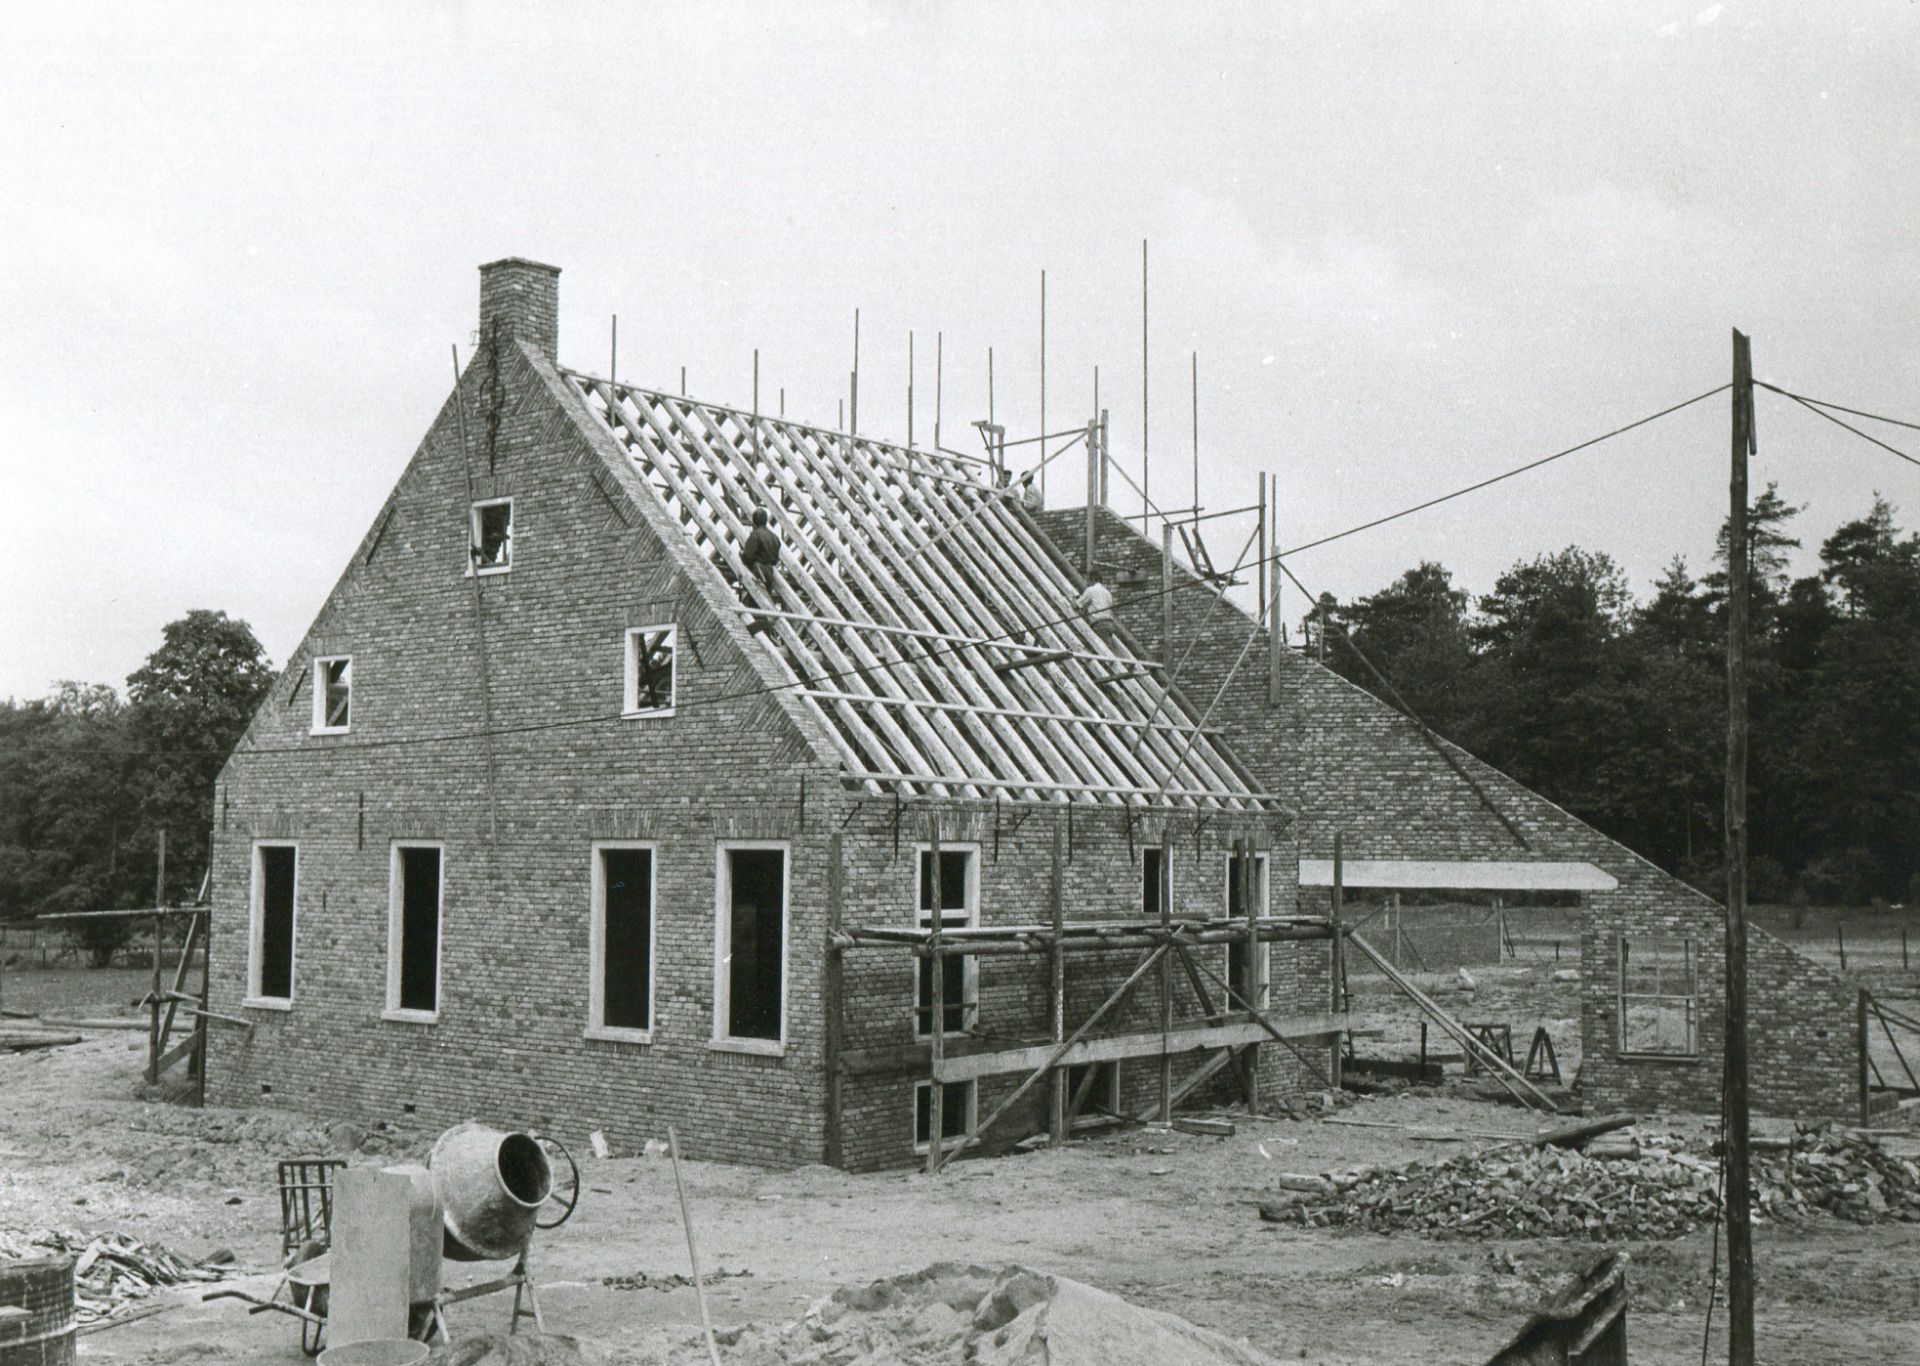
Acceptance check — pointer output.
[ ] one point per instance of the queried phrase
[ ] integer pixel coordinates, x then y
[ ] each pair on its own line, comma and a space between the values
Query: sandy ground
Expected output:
1164, 1219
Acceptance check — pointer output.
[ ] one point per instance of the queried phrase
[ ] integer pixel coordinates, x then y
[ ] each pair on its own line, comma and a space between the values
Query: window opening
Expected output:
650, 670
490, 542
622, 994
956, 1112
332, 695
1246, 973
1659, 1007
753, 962
1150, 881
1103, 1095
414, 975
275, 877
959, 901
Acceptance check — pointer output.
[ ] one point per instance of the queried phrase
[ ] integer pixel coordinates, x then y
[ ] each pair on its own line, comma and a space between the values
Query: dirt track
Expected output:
1166, 1220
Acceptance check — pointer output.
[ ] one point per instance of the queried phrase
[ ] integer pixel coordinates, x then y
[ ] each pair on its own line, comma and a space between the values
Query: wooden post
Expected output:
1106, 454
1249, 888
836, 1000
1740, 1340
1145, 501
1260, 534
1275, 634
1166, 979
1043, 388
159, 900
1336, 959
1166, 596
1840, 938
1057, 983
938, 994
1860, 1034
1093, 495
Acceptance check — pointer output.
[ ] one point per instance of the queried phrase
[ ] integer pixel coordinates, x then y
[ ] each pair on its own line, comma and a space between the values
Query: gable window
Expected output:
1247, 973
957, 1105
490, 536
415, 899
959, 909
750, 948
332, 695
650, 670
1150, 865
1659, 997
270, 937
620, 995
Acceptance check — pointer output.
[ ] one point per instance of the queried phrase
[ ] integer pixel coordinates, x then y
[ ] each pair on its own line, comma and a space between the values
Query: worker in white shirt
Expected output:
1096, 600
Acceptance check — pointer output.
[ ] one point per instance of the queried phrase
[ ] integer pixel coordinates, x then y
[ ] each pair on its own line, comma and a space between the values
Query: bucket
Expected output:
490, 1186
377, 1352
43, 1336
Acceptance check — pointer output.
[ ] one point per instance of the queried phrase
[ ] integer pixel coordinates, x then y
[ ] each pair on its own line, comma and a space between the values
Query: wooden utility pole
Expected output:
1740, 1343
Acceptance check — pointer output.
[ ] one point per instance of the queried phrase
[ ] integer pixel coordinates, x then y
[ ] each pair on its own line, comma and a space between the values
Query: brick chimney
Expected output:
524, 296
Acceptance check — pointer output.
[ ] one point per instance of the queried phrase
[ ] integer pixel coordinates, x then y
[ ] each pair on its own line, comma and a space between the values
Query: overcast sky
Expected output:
1413, 244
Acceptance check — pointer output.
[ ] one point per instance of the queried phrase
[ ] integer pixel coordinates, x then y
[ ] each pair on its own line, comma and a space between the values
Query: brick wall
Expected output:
1353, 764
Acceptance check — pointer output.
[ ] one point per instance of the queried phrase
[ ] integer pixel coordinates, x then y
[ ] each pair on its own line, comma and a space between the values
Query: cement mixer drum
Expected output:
491, 1185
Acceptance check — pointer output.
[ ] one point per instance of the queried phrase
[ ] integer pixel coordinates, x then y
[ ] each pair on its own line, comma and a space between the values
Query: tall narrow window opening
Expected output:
959, 909
270, 962
332, 695
957, 1108
414, 931
1246, 972
1150, 862
751, 976
1658, 1000
621, 993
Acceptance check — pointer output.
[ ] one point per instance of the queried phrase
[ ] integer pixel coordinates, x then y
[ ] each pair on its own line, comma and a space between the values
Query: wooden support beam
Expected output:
937, 1030
835, 1004
1057, 985
1116, 1047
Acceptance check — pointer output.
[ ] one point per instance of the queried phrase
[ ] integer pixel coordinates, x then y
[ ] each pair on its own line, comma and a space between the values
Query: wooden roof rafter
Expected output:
906, 586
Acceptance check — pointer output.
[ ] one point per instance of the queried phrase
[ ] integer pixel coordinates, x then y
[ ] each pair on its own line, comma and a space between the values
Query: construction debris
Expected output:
1641, 1187
110, 1270
1005, 1316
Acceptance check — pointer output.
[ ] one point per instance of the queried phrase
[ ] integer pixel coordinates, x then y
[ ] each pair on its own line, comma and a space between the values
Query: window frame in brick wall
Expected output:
966, 917
1106, 1078
396, 934
1263, 895
1150, 857
1688, 1001
322, 712
969, 1112
256, 997
720, 1038
630, 673
476, 534
597, 1026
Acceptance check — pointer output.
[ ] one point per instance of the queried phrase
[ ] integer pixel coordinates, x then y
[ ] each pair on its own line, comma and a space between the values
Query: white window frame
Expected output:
256, 925
473, 537
722, 949
630, 677
1689, 948
1263, 901
947, 1145
318, 682
396, 890
597, 1028
970, 969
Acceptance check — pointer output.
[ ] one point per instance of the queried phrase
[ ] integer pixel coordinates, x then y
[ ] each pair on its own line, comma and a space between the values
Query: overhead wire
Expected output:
1507, 474
1818, 408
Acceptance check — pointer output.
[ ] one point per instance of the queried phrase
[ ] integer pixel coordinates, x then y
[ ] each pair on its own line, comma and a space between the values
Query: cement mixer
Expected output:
492, 1187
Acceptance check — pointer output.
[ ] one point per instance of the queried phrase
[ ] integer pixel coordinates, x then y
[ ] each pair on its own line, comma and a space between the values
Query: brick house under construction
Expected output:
544, 823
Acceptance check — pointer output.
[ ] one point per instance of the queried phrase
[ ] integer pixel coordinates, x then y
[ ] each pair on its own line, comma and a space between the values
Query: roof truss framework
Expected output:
904, 580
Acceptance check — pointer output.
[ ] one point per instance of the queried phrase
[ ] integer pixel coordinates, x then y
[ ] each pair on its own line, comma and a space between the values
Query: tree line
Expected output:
1616, 709
88, 778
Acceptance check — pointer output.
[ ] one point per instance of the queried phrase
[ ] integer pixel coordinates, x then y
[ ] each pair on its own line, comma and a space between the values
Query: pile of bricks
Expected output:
1648, 1189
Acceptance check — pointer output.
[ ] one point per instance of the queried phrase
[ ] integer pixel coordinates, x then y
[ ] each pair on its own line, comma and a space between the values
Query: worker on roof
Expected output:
1096, 600
761, 552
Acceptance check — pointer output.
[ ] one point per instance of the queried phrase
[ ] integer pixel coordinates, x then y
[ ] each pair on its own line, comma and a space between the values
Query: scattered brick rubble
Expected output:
110, 1269
1633, 1186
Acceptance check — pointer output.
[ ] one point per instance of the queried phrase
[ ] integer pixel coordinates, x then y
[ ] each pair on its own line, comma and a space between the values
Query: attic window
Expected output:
490, 536
332, 695
650, 670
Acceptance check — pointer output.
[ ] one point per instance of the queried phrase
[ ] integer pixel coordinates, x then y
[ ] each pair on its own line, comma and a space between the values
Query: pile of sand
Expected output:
953, 1315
